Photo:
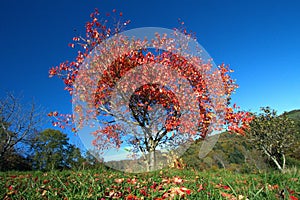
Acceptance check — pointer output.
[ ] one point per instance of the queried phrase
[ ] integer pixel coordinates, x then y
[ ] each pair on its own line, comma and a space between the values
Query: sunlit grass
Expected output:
165, 184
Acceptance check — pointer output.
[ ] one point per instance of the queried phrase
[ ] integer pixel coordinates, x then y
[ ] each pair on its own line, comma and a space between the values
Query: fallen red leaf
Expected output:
200, 188
293, 198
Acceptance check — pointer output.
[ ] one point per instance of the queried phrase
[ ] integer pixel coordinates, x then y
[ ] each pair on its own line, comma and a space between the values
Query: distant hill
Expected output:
294, 114
232, 152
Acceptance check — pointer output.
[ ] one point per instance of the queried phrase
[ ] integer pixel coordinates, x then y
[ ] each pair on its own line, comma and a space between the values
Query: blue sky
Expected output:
258, 39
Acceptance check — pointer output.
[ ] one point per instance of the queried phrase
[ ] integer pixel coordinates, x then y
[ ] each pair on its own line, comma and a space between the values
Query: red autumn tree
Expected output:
152, 94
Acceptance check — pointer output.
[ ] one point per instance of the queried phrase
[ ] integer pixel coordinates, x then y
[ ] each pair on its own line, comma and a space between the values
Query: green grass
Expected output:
168, 184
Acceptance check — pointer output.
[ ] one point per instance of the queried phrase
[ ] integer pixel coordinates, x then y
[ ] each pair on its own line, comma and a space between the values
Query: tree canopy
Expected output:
18, 125
274, 135
150, 93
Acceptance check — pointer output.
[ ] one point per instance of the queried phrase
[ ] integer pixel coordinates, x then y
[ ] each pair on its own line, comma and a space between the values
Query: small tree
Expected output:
273, 135
52, 150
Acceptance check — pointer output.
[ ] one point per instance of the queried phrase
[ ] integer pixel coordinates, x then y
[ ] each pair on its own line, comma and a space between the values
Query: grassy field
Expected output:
165, 184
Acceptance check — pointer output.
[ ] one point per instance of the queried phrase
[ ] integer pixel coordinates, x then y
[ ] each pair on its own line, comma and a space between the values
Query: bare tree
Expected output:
18, 124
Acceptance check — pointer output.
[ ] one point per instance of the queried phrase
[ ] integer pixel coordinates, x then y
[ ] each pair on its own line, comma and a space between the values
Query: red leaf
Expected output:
10, 187
71, 45
226, 187
131, 197
226, 195
52, 72
200, 188
293, 198
119, 180
187, 191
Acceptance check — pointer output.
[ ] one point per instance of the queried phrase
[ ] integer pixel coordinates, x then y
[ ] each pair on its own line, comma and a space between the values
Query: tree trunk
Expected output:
283, 162
220, 161
277, 163
152, 160
2, 161
274, 160
152, 155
